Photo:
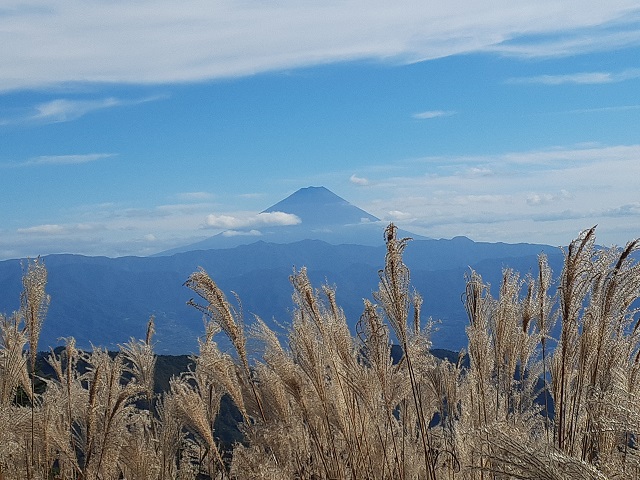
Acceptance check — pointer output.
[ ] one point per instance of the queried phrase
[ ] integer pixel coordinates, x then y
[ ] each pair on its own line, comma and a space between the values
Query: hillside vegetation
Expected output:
326, 403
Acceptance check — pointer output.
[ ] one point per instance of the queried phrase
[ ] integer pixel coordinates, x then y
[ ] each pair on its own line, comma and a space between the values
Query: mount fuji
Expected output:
320, 215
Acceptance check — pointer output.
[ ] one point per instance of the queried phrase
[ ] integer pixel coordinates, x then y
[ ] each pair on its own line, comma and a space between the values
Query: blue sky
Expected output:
127, 128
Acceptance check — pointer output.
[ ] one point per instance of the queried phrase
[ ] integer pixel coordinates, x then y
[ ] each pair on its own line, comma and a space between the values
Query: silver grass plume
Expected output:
219, 310
13, 364
142, 360
227, 318
34, 303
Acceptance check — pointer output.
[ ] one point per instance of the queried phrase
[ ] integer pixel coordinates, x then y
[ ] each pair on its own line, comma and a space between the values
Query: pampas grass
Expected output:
322, 402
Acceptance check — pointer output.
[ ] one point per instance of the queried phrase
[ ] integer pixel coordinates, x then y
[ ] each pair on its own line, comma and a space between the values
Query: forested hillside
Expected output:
105, 301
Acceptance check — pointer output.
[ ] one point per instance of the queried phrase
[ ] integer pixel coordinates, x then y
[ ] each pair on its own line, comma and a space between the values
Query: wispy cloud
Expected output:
535, 199
581, 184
55, 229
251, 196
581, 78
65, 110
61, 160
627, 210
61, 110
174, 43
361, 181
194, 196
433, 114
48, 229
544, 195
574, 39
250, 221
478, 171
241, 233
617, 108
397, 215
110, 229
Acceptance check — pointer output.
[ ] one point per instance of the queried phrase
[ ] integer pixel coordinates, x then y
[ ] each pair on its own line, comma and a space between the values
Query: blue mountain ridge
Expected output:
106, 301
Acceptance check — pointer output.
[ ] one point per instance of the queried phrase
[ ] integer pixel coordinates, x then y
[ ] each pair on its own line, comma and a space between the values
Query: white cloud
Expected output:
583, 78
53, 229
539, 199
194, 196
55, 42
64, 109
558, 42
545, 195
478, 171
225, 221
177, 209
535, 199
559, 156
65, 159
109, 229
580, 185
481, 198
433, 114
251, 196
358, 180
48, 229
618, 108
398, 215
627, 210
241, 233
59, 160
261, 219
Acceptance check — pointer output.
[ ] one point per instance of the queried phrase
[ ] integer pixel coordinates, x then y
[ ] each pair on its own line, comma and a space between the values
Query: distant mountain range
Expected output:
105, 301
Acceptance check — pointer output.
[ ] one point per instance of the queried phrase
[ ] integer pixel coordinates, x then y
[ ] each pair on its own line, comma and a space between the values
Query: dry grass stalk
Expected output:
34, 303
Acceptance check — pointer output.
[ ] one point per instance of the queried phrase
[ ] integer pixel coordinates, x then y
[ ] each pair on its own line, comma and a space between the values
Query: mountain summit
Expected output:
319, 206
323, 216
